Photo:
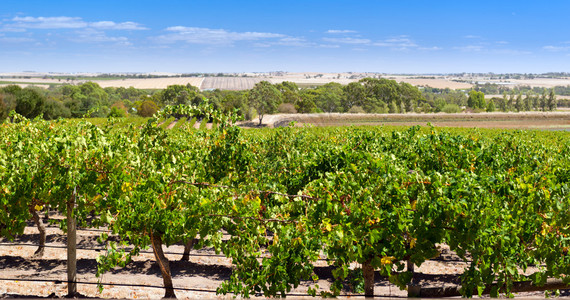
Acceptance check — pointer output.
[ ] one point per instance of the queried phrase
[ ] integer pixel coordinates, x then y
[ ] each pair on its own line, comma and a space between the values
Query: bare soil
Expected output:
200, 276
527, 120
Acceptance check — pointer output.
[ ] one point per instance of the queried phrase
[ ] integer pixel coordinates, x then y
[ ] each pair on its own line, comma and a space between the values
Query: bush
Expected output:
148, 109
116, 113
286, 108
356, 110
451, 108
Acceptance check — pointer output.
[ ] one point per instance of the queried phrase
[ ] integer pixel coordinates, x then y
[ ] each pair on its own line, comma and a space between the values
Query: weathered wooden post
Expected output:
413, 287
368, 274
71, 248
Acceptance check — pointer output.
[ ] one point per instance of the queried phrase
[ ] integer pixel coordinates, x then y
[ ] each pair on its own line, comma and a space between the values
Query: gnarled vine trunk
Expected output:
42, 229
187, 247
368, 273
163, 264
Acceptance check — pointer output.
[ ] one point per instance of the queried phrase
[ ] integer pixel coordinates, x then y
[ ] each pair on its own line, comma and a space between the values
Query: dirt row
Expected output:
197, 278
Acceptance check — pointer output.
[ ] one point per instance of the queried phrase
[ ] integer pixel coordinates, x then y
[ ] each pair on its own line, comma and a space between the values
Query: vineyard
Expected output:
277, 203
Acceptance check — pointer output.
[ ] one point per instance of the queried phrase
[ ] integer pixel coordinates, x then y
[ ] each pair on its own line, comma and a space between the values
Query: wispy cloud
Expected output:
434, 48
471, 36
22, 23
208, 36
336, 31
286, 41
556, 48
15, 40
400, 43
348, 40
110, 25
470, 48
328, 46
90, 35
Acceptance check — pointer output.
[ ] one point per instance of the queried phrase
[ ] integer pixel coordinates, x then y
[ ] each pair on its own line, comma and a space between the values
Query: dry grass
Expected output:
230, 83
151, 83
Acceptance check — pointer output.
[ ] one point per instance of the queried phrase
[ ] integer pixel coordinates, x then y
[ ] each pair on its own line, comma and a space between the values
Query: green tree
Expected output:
180, 94
306, 103
330, 97
551, 102
476, 100
353, 96
519, 105
30, 103
490, 106
265, 98
543, 104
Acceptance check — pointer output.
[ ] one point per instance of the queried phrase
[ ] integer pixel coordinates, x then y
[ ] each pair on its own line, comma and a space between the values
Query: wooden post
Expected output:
368, 273
413, 287
71, 248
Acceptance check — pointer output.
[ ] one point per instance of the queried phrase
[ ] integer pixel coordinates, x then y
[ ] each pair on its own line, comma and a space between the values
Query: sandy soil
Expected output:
204, 272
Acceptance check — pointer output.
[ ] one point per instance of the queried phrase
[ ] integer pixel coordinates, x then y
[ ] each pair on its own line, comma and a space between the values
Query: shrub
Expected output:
286, 108
451, 108
356, 110
148, 108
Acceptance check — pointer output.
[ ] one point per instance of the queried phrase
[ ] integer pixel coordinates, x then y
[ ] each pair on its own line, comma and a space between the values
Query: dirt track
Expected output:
527, 120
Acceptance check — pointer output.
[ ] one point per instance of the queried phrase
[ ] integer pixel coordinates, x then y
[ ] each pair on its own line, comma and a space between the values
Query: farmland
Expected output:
527, 120
242, 81
229, 83
151, 83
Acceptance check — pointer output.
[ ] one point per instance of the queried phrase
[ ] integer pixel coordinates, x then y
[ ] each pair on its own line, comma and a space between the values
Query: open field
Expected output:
151, 83
229, 83
303, 79
501, 96
526, 120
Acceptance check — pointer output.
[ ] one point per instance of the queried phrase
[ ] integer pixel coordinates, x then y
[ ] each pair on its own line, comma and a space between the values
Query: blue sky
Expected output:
295, 36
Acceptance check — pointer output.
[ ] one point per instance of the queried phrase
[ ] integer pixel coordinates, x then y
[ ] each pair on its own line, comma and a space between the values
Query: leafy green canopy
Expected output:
288, 197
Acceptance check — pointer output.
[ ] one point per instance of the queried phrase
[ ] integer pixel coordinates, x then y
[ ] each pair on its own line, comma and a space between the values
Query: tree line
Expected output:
369, 95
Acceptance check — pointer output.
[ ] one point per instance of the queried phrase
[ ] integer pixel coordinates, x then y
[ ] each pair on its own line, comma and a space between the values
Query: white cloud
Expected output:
347, 40
48, 22
398, 43
207, 36
117, 26
22, 23
15, 40
328, 46
470, 36
470, 48
511, 52
434, 48
556, 48
90, 35
293, 41
336, 31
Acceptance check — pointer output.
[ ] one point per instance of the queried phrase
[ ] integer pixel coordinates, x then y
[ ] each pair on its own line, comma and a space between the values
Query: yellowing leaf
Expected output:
413, 243
386, 260
38, 207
